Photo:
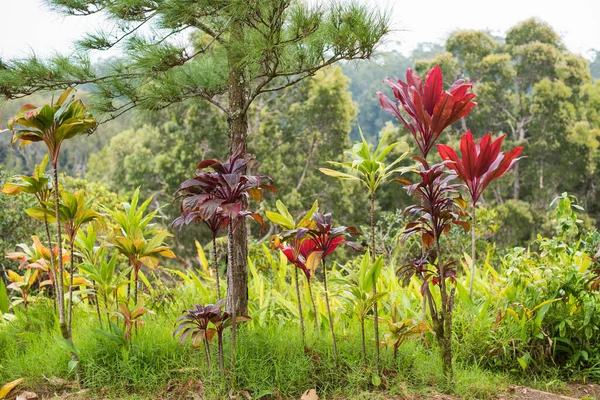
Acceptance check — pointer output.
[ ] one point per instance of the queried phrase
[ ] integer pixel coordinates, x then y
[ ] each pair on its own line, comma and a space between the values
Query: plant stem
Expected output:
216, 267
364, 345
52, 267
234, 304
220, 349
71, 273
335, 352
97, 304
375, 309
312, 300
445, 322
300, 307
472, 252
207, 352
136, 272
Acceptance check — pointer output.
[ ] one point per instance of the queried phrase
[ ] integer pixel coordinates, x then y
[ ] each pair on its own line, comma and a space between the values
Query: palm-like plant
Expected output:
440, 208
74, 211
131, 317
23, 284
481, 164
363, 296
290, 241
400, 329
137, 239
53, 124
369, 168
100, 269
322, 241
38, 185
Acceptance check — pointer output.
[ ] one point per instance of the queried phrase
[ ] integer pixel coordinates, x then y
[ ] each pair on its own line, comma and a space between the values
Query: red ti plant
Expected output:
480, 165
225, 191
299, 251
429, 108
440, 207
221, 321
323, 240
190, 213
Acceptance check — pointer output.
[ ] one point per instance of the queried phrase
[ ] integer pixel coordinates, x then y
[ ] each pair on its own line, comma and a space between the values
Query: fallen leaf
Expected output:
27, 396
246, 394
5, 390
310, 394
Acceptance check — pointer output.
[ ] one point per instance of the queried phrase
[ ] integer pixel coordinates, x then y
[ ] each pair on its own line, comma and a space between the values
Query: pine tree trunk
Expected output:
472, 252
216, 267
335, 352
375, 310
237, 269
300, 307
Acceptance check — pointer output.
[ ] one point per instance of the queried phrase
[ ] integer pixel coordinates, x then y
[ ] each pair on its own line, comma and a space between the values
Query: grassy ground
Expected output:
270, 363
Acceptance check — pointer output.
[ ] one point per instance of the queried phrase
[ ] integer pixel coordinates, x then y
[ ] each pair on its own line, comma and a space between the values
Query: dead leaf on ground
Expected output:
6, 389
27, 396
310, 394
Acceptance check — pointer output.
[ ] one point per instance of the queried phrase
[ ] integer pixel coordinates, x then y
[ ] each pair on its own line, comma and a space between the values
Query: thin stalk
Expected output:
335, 352
446, 322
472, 252
136, 272
97, 304
312, 300
364, 345
300, 307
216, 267
234, 305
52, 267
71, 273
375, 309
207, 352
220, 345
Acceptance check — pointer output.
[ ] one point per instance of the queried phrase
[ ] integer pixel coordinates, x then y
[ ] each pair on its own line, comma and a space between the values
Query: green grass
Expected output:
269, 361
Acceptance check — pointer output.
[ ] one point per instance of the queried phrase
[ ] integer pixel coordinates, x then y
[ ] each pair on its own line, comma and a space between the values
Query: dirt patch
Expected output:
584, 390
525, 393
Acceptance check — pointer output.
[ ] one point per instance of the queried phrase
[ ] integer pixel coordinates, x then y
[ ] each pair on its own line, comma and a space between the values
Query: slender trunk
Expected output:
312, 300
97, 298
364, 344
444, 331
220, 349
472, 252
517, 185
65, 332
216, 267
106, 306
52, 267
71, 273
136, 272
207, 352
373, 257
335, 352
232, 301
237, 271
300, 307
307, 163
396, 352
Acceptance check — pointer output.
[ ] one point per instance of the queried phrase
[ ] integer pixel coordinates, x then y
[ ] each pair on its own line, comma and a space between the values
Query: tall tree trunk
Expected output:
375, 310
472, 252
300, 306
335, 352
216, 267
307, 163
237, 269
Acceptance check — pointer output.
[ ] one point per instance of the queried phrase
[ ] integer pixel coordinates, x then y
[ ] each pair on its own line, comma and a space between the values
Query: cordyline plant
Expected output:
53, 124
440, 208
217, 222
74, 211
226, 191
369, 168
23, 284
201, 324
38, 185
429, 109
363, 295
292, 242
400, 329
480, 165
322, 241
137, 238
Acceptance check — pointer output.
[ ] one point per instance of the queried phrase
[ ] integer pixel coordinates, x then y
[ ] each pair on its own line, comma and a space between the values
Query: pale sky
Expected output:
28, 26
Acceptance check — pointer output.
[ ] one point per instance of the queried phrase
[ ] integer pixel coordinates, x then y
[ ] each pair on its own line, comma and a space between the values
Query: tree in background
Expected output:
240, 50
